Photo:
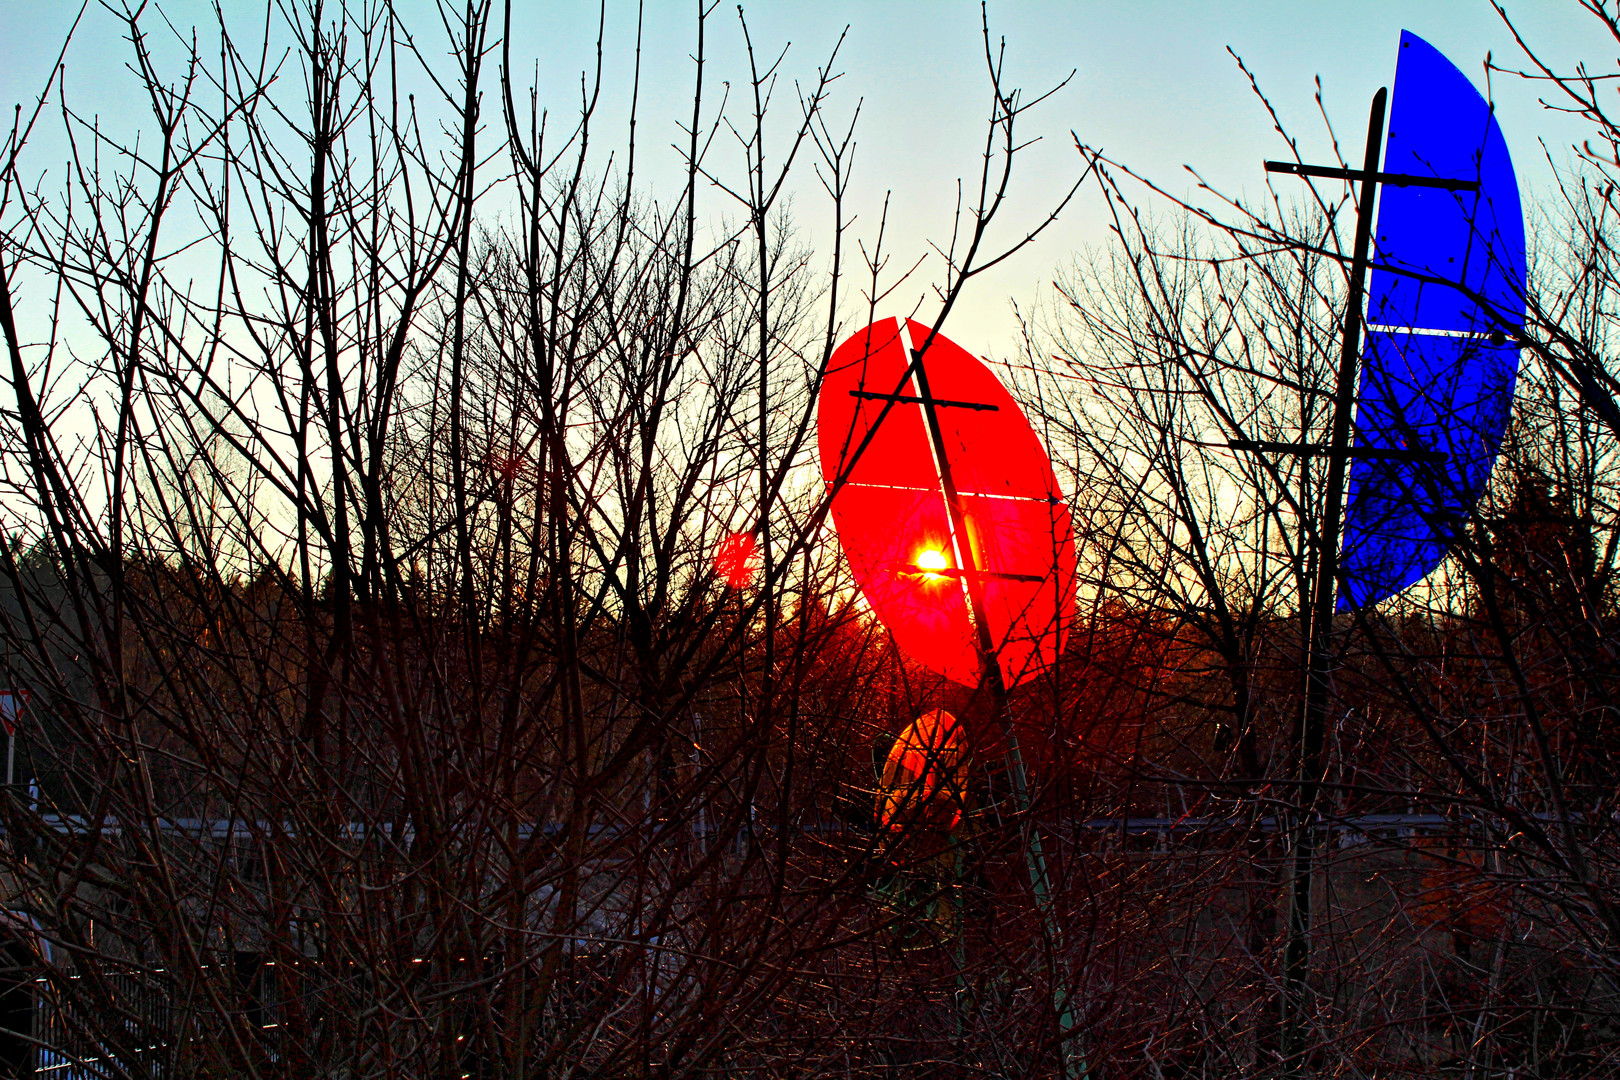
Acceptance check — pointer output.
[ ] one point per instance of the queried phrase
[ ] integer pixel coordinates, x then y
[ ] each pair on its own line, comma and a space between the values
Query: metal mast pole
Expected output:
1297, 954
990, 666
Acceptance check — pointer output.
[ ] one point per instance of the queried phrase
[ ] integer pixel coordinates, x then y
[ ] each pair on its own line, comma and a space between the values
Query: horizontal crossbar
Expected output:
937, 402
954, 572
1398, 179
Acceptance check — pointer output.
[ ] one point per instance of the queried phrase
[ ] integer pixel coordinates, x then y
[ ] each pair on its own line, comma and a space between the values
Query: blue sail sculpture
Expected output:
1445, 306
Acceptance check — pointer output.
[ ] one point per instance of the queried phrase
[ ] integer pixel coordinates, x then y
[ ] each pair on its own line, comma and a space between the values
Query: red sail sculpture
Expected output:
893, 521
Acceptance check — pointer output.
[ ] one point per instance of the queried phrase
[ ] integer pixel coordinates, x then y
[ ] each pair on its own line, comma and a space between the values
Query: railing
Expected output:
68, 1048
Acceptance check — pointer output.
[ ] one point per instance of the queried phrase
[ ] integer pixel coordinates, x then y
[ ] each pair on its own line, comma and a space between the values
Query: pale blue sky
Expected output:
1154, 86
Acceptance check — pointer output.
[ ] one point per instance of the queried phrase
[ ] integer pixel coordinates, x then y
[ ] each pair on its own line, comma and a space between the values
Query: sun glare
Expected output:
931, 560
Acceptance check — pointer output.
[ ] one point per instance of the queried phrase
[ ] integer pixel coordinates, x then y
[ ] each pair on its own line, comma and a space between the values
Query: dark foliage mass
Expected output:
374, 434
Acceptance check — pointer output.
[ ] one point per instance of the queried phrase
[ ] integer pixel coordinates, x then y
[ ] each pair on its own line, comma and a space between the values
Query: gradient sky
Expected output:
1154, 86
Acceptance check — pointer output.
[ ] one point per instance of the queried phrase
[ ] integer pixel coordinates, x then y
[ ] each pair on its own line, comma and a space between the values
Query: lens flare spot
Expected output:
737, 560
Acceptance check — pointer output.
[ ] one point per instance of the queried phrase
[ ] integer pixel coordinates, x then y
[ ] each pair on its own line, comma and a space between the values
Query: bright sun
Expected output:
931, 560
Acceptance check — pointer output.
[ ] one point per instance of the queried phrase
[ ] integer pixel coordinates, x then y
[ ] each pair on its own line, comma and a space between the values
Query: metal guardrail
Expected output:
66, 1049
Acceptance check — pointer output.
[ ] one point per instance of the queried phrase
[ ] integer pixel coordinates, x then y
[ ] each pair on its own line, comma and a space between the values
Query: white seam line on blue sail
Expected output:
1427, 332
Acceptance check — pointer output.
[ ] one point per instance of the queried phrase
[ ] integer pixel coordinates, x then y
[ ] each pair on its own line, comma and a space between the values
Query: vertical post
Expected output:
1324, 600
990, 675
